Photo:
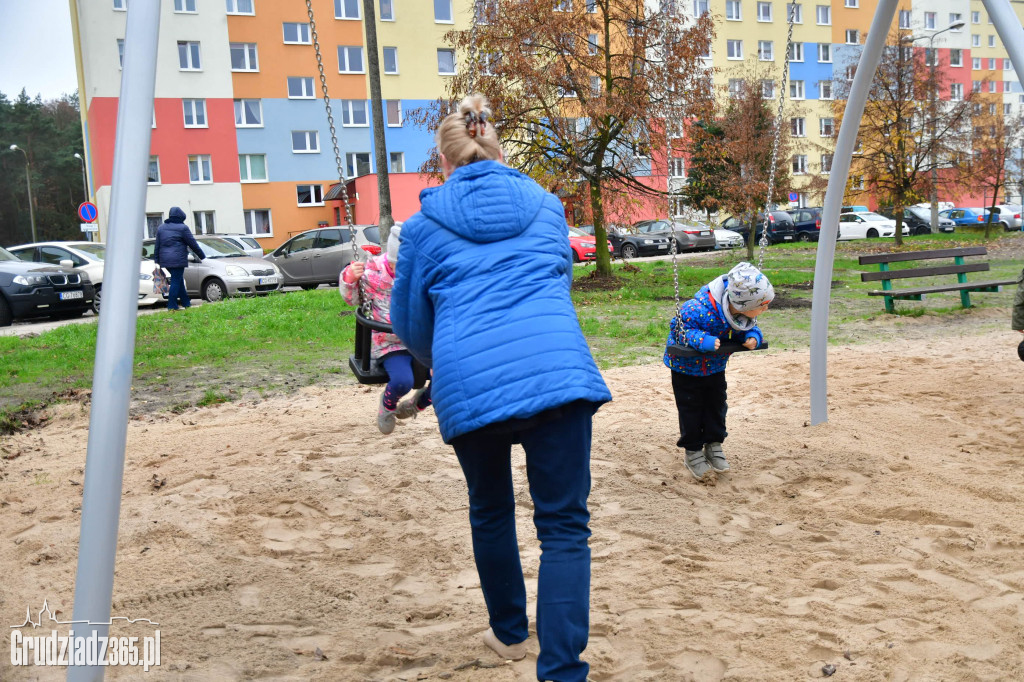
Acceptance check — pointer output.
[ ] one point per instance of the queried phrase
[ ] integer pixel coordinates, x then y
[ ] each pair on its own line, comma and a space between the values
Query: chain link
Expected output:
473, 56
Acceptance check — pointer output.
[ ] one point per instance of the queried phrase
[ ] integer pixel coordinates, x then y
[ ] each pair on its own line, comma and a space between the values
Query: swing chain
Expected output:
473, 56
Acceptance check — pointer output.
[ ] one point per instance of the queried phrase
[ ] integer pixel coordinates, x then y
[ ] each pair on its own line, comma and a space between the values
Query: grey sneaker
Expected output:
697, 463
407, 408
385, 417
713, 453
510, 652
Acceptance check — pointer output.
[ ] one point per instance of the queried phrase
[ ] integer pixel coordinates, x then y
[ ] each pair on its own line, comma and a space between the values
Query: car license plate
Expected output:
268, 280
68, 295
662, 246
705, 234
787, 238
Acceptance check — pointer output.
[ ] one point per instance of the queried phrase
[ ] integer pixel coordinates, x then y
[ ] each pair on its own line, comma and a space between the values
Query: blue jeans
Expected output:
176, 291
558, 469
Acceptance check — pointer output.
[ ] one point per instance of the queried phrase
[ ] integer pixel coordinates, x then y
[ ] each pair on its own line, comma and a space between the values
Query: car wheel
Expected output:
1006, 227
872, 233
96, 301
214, 290
309, 287
575, 256
628, 251
803, 236
5, 313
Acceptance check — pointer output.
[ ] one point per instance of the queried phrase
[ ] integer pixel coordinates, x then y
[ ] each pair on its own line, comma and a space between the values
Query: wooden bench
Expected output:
960, 268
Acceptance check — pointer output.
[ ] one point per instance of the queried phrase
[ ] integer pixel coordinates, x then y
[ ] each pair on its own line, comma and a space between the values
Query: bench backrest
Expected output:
883, 259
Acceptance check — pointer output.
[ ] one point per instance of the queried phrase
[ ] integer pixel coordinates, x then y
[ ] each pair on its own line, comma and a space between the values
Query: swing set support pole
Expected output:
823, 267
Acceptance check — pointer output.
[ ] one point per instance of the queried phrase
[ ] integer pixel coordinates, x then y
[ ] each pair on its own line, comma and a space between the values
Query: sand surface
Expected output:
888, 542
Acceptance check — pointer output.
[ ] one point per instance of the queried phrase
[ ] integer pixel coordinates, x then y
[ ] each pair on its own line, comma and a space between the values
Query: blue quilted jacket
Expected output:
703, 321
482, 296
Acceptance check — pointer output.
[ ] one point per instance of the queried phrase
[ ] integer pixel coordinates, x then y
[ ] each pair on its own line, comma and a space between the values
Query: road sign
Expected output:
90, 227
793, 196
87, 211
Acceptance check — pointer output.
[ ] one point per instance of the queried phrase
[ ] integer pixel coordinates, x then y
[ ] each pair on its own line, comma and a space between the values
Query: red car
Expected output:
584, 246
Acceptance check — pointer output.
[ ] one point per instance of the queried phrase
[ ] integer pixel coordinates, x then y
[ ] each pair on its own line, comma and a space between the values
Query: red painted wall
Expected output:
405, 196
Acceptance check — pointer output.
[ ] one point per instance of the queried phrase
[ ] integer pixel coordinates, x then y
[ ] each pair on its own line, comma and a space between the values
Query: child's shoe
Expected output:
697, 463
385, 418
713, 453
509, 652
409, 407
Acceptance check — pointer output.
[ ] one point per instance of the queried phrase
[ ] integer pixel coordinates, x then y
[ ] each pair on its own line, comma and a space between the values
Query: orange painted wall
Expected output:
852, 17
287, 218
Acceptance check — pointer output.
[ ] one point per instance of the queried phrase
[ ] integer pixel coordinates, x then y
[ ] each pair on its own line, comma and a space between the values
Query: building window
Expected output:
443, 11
188, 56
733, 10
397, 162
185, 6
852, 36
1007, 109
735, 87
766, 50
257, 221
120, 52
390, 60
904, 18
991, 41
677, 167
353, 113
825, 53
121, 5
350, 59
357, 163
796, 52
797, 128
795, 12
195, 112
826, 163
825, 90
851, 3
595, 86
153, 175
826, 127
305, 141
563, 5
764, 11
296, 33
975, 86
956, 18
796, 89
300, 88
393, 112
240, 7
956, 57
956, 91
700, 8
202, 222
446, 62
310, 195
248, 113
991, 63
992, 86
929, 20
823, 15
591, 6
592, 44
734, 49
799, 164
387, 10
153, 222
199, 171
976, 63
975, 17
252, 167
244, 57
346, 9
1007, 65
768, 89
975, 40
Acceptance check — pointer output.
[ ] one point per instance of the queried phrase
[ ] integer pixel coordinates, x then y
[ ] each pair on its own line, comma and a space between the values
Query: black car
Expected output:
33, 290
781, 227
807, 223
919, 220
646, 242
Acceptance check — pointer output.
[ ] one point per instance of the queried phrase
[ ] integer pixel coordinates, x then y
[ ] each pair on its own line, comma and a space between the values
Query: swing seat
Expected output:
368, 370
727, 348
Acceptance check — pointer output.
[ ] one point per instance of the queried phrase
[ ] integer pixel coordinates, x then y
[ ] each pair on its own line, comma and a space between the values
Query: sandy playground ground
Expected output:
288, 540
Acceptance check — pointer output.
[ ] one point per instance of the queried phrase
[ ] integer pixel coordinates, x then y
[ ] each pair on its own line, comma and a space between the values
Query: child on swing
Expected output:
1018, 312
378, 277
724, 309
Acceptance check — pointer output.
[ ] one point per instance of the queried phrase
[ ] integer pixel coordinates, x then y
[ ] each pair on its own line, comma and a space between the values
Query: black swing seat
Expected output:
365, 368
727, 348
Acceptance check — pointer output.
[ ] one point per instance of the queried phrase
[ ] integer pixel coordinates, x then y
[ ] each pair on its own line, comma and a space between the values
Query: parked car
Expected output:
856, 208
727, 239
88, 257
318, 256
965, 216
30, 290
245, 243
867, 226
781, 227
919, 220
1007, 215
224, 271
584, 246
687, 236
629, 244
807, 223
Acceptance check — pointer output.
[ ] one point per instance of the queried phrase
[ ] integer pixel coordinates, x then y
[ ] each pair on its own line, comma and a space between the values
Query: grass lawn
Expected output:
252, 347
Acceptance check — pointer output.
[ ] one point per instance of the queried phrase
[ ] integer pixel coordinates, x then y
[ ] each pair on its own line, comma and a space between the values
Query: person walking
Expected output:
173, 242
482, 297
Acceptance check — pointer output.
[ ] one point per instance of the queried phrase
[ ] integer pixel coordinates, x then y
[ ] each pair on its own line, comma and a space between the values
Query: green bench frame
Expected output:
960, 268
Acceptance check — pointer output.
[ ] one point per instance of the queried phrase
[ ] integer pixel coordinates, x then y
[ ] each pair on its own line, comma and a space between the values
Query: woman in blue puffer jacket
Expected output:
173, 242
482, 297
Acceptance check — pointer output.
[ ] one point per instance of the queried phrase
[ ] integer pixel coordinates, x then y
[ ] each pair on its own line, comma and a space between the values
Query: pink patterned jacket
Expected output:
377, 281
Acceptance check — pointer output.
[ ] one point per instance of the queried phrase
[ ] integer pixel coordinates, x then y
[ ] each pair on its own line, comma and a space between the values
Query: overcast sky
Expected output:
36, 50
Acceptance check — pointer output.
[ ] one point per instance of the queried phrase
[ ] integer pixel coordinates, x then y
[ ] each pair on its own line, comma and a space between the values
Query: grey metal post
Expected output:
28, 183
85, 187
115, 344
1010, 32
820, 301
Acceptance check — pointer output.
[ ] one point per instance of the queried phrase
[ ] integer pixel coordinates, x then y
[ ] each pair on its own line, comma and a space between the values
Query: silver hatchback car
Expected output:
225, 271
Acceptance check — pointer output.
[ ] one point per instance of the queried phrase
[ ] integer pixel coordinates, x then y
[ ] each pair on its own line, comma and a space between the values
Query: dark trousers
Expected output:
176, 291
558, 470
702, 407
398, 365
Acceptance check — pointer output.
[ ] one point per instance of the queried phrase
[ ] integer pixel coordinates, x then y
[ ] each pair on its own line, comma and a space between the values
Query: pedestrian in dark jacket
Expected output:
724, 309
482, 297
173, 241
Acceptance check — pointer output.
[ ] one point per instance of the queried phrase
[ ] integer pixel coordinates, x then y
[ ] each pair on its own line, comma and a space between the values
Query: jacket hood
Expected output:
484, 201
176, 215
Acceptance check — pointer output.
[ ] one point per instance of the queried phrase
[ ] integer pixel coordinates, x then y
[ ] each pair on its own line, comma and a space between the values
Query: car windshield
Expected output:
577, 232
7, 255
872, 216
250, 242
97, 250
920, 213
218, 248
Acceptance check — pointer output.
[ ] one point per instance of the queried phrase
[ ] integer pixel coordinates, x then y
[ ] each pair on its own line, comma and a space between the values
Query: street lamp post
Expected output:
28, 183
85, 183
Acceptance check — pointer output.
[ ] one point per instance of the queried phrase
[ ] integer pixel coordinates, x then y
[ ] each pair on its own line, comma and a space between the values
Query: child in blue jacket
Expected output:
724, 309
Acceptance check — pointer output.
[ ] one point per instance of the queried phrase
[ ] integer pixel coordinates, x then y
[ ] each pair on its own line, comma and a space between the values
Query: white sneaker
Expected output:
385, 418
510, 652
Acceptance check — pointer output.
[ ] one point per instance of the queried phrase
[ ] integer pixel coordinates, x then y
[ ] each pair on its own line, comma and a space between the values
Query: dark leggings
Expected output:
398, 365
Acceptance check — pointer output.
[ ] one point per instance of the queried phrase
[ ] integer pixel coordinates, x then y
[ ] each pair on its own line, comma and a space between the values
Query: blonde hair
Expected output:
468, 135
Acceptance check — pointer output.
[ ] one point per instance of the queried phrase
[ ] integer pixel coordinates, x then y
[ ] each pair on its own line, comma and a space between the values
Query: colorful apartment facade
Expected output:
240, 138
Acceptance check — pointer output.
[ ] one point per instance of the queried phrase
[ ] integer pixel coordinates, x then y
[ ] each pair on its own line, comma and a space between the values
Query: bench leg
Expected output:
889, 307
965, 298
961, 277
